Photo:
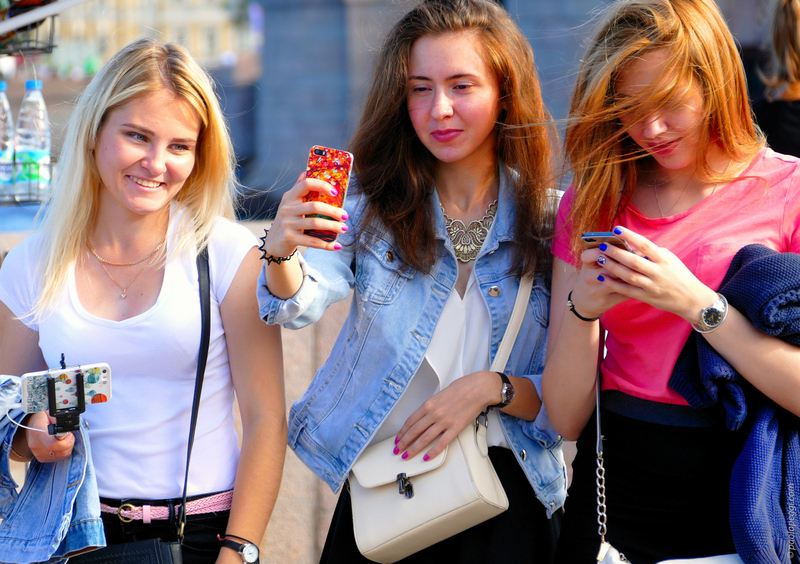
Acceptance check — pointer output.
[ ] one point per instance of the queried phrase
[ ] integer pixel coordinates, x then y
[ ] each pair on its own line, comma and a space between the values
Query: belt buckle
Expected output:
126, 506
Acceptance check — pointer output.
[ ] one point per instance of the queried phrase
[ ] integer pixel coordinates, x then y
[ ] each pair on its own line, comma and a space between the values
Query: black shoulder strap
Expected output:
205, 337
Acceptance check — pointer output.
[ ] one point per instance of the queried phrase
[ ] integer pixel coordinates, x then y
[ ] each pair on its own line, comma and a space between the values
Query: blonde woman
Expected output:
145, 180
778, 113
664, 153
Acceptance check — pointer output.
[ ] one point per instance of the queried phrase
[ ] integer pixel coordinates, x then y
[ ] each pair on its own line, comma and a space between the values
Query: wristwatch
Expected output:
712, 316
507, 392
246, 549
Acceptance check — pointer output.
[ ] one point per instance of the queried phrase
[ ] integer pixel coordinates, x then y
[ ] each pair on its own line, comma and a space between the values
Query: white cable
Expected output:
20, 425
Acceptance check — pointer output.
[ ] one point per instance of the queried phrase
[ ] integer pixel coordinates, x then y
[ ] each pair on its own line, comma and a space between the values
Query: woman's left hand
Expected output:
442, 417
653, 275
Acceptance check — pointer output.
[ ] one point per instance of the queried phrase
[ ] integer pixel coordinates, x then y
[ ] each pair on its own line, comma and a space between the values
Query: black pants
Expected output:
666, 491
520, 535
200, 543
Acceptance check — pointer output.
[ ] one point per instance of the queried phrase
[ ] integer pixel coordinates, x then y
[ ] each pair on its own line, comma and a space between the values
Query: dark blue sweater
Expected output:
764, 285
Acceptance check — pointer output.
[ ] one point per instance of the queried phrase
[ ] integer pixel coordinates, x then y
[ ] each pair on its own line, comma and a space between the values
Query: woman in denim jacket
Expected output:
452, 207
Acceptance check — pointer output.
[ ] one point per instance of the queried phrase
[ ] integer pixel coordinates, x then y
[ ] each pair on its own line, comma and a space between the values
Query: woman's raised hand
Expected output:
292, 219
653, 275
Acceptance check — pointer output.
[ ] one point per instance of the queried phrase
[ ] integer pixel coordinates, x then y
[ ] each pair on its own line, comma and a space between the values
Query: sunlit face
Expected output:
671, 134
453, 97
145, 152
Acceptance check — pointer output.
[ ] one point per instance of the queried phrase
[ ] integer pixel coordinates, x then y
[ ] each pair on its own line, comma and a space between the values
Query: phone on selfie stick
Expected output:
64, 392
593, 239
333, 166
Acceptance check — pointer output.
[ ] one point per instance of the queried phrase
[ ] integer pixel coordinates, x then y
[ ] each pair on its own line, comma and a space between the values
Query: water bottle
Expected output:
6, 148
32, 145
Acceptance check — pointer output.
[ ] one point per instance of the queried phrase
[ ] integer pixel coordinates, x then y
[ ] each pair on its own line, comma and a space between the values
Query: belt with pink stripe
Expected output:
128, 512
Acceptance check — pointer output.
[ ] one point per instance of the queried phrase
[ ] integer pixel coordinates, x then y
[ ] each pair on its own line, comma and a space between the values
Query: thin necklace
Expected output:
124, 289
672, 207
105, 261
468, 240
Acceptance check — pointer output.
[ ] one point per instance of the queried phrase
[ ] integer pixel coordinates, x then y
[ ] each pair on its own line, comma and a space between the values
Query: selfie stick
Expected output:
67, 419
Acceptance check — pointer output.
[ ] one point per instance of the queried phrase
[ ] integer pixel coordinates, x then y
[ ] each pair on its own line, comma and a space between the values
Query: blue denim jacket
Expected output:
392, 318
57, 512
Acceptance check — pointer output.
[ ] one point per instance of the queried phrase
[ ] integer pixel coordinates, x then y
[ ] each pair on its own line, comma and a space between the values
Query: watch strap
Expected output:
506, 382
233, 542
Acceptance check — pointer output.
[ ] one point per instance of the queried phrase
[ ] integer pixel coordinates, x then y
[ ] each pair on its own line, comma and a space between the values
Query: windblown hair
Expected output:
139, 68
602, 157
395, 170
786, 47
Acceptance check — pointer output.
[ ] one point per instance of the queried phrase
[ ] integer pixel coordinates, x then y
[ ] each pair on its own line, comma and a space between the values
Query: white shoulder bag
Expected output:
403, 506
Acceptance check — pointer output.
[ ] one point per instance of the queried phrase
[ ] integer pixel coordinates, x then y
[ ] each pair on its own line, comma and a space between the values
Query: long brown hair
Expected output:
786, 46
702, 51
394, 169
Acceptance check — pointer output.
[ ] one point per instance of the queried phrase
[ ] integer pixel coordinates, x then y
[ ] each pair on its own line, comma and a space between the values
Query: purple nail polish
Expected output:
344, 228
601, 278
405, 455
334, 192
396, 440
336, 246
603, 247
618, 230
426, 458
396, 450
345, 217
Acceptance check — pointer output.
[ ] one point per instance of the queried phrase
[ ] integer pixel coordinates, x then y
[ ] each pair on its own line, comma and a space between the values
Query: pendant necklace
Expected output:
103, 263
468, 239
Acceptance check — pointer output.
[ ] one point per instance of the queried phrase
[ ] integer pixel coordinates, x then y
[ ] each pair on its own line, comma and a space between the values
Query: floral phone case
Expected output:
333, 166
96, 387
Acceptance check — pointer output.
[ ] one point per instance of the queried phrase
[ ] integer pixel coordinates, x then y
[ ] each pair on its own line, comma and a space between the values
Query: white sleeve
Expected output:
229, 244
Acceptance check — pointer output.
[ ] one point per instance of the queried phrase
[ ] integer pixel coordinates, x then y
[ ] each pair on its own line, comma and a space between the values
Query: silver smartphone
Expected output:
593, 239
96, 387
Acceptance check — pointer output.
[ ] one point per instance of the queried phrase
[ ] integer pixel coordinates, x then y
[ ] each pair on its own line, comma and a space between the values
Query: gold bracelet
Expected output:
18, 455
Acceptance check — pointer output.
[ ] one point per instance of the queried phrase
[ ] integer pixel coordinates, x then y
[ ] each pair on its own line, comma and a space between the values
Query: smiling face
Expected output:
672, 134
453, 97
145, 152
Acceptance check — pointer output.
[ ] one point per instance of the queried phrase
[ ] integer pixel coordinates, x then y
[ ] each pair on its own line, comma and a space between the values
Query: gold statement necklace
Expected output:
104, 262
468, 239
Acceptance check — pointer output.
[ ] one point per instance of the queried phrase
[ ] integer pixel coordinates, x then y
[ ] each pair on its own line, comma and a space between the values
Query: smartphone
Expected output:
96, 387
333, 166
593, 240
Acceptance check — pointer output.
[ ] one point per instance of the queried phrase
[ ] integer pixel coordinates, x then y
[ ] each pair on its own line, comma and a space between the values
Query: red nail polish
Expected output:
405, 455
426, 458
396, 450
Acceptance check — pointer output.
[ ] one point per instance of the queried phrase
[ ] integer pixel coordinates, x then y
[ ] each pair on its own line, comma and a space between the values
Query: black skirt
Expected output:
520, 535
666, 491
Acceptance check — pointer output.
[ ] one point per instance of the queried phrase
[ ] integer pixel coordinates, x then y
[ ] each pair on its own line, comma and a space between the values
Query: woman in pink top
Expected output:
663, 152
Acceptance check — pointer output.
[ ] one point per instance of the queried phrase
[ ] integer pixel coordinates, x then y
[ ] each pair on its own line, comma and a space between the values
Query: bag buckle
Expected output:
405, 486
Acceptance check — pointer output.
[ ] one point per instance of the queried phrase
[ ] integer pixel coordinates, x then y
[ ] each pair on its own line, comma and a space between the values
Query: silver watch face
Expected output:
249, 552
507, 393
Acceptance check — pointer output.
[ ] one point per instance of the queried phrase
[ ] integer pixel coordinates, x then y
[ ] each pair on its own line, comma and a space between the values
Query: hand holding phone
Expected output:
334, 167
593, 239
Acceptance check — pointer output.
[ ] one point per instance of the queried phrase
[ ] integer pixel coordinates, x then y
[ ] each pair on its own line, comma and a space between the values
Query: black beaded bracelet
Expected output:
270, 258
571, 307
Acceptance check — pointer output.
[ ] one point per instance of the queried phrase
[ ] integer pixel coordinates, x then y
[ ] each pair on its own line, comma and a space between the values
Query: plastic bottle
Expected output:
6, 148
32, 145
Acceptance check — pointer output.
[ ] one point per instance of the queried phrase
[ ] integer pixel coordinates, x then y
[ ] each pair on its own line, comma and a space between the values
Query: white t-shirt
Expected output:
138, 439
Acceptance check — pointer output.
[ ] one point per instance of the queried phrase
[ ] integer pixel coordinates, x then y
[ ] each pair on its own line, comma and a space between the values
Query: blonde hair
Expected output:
786, 47
702, 51
139, 68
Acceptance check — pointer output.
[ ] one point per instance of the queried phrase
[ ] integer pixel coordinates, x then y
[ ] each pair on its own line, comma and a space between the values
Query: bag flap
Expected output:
378, 465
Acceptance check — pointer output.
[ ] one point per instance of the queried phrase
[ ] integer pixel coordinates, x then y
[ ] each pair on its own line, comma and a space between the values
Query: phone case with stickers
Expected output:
96, 387
333, 166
